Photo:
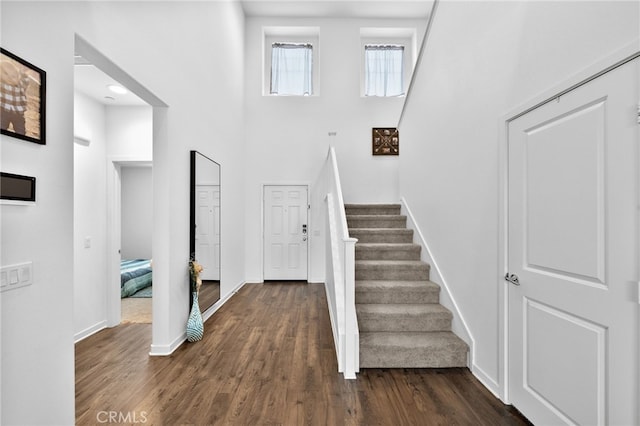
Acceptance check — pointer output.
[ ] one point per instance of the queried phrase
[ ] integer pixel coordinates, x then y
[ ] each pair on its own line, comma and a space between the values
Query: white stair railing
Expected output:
340, 270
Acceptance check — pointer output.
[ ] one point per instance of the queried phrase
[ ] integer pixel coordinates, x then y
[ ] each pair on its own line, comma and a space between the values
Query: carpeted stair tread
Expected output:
376, 221
412, 350
404, 309
403, 317
392, 263
387, 251
361, 209
377, 291
382, 235
410, 270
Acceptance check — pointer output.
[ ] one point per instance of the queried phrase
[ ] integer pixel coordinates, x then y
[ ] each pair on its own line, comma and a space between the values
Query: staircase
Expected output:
401, 323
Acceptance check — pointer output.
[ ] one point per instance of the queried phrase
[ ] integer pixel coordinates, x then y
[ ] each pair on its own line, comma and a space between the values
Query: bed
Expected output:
135, 275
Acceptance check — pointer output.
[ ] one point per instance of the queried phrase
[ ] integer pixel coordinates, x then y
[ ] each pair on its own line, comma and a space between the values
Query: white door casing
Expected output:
285, 232
573, 243
208, 230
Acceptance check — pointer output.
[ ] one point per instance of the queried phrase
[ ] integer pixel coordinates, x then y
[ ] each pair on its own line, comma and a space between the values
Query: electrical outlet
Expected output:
4, 279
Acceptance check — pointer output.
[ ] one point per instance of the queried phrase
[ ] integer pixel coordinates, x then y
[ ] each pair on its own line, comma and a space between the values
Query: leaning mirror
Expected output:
205, 226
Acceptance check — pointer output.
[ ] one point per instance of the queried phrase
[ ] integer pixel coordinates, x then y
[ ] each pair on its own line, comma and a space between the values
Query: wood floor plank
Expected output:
267, 358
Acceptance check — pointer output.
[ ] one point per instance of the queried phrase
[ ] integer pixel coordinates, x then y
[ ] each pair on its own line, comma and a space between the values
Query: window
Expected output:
291, 69
387, 58
290, 58
384, 70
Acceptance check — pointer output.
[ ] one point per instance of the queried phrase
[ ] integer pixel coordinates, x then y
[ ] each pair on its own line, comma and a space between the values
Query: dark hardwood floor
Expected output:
267, 358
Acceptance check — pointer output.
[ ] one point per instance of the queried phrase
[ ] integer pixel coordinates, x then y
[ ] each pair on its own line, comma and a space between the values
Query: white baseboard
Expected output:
459, 325
462, 330
213, 308
90, 331
486, 380
164, 350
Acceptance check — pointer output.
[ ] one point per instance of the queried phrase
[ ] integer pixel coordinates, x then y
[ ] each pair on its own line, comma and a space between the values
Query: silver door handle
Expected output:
512, 278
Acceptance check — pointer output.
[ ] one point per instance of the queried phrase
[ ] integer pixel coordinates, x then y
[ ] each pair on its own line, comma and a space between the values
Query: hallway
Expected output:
267, 357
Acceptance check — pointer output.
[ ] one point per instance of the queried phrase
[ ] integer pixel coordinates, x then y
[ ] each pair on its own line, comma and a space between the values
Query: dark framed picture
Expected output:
22, 99
385, 141
17, 187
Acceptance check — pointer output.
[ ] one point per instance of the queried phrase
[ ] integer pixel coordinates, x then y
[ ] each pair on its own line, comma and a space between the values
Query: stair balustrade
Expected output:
340, 268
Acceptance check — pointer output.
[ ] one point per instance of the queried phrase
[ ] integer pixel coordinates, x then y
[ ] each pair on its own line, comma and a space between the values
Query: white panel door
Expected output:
285, 233
208, 230
573, 244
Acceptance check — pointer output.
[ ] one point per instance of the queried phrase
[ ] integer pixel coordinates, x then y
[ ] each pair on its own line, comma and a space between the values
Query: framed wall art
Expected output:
385, 141
17, 187
22, 99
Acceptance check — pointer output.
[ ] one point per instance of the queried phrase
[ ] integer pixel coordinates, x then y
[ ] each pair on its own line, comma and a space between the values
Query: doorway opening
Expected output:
136, 227
113, 154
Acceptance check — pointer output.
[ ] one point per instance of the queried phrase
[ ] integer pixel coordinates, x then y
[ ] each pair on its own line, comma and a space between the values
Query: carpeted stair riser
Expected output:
387, 252
368, 209
392, 270
385, 236
377, 221
389, 317
397, 292
412, 350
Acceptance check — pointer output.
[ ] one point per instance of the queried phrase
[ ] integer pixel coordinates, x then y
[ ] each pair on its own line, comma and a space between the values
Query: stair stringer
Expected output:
458, 325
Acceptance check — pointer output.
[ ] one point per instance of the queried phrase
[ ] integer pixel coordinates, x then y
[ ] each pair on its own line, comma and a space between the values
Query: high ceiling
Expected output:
93, 82
416, 9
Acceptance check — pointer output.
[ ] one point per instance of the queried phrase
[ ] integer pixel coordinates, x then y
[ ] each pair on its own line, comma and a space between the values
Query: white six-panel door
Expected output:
285, 232
573, 244
208, 230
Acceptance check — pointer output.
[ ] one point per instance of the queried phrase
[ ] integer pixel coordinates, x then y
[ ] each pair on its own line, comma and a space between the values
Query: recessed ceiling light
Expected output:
110, 98
117, 89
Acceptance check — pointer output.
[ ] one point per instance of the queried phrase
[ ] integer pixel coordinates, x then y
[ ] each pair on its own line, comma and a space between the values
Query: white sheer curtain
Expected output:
291, 69
384, 70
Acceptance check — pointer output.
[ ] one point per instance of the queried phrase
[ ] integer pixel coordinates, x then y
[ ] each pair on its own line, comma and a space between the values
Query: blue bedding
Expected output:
134, 275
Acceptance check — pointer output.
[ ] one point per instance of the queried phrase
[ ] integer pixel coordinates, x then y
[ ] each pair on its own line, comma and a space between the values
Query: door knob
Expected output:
512, 278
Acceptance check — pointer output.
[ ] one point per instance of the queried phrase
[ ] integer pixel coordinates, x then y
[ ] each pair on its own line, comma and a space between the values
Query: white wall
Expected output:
89, 217
482, 60
287, 137
137, 212
202, 114
129, 133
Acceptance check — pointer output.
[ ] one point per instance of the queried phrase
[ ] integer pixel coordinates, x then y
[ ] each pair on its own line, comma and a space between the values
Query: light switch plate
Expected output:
16, 276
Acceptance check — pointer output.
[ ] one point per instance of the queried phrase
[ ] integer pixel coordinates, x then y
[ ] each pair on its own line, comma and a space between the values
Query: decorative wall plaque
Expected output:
385, 141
